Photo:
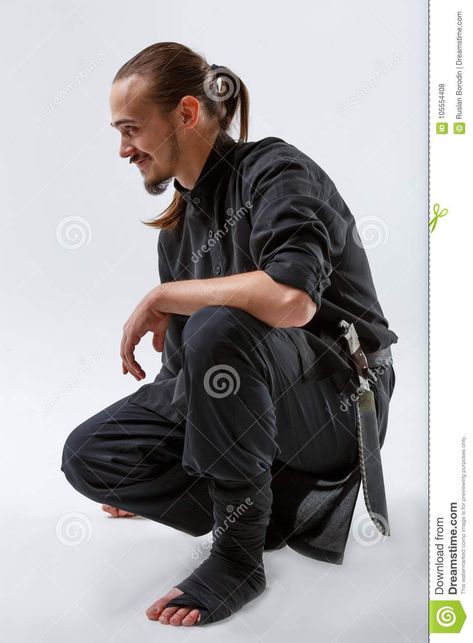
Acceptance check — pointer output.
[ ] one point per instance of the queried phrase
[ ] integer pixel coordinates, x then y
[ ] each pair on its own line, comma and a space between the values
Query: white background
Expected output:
64, 308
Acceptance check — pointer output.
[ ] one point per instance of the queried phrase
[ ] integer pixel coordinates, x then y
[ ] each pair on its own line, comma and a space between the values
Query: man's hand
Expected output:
275, 303
144, 319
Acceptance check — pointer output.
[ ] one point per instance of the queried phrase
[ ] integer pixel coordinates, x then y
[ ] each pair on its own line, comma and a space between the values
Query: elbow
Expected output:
298, 309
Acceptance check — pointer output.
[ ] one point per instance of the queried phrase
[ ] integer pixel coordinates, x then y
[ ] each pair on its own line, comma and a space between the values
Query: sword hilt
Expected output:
355, 351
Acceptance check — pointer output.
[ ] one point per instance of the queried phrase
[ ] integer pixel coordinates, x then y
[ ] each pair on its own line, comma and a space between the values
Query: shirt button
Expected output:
217, 270
196, 200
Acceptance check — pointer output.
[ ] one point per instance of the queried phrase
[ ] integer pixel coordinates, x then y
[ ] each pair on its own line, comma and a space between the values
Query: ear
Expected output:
188, 111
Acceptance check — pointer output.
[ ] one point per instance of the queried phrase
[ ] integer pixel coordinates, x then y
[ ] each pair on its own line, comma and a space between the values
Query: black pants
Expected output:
247, 409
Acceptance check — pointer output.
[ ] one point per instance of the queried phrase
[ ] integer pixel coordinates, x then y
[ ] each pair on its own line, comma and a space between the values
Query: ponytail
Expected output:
175, 71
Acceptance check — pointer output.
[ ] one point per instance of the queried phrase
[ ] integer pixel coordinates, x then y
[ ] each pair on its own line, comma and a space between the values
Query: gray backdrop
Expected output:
346, 83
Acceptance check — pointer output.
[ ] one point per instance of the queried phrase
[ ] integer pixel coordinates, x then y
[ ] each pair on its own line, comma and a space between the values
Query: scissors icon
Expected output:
437, 214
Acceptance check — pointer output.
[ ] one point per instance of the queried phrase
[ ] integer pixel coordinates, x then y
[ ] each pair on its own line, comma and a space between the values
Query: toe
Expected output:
156, 610
176, 619
111, 510
192, 618
125, 514
117, 513
167, 613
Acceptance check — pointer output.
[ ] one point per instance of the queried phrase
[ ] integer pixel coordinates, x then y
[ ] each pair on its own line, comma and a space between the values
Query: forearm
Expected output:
256, 292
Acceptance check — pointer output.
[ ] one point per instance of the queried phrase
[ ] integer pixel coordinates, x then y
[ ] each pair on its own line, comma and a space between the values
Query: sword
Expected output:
367, 432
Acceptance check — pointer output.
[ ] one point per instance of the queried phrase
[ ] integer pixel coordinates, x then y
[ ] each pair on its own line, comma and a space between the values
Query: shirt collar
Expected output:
214, 167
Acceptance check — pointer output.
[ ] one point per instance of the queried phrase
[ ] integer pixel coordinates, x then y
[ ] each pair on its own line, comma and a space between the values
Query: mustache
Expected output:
135, 158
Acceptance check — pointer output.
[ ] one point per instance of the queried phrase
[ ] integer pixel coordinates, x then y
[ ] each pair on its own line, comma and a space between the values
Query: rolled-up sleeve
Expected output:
289, 239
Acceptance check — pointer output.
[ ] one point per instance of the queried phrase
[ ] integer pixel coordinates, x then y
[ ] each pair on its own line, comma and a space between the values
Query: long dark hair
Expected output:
173, 71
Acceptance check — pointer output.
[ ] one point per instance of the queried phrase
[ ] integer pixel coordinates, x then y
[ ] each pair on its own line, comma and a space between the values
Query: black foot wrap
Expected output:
233, 574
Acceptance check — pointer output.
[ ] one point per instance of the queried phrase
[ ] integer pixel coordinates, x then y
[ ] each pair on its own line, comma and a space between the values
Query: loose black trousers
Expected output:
247, 408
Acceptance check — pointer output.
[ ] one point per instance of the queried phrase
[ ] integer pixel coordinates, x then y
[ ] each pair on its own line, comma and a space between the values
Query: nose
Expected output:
126, 149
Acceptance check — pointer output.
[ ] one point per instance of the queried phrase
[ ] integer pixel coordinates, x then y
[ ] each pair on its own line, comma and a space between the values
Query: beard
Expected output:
155, 186
158, 186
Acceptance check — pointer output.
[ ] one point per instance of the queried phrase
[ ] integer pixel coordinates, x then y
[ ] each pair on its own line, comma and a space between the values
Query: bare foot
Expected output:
118, 513
172, 615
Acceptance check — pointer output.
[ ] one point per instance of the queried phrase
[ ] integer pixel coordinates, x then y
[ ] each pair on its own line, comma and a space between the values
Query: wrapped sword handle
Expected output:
355, 351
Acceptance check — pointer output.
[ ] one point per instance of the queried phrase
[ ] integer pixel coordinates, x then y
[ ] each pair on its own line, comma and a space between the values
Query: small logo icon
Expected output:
441, 128
221, 380
459, 128
446, 617
437, 214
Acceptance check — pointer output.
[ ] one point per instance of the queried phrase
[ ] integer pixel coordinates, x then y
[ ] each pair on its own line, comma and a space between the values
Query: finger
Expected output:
158, 342
122, 349
125, 370
134, 367
126, 349
131, 363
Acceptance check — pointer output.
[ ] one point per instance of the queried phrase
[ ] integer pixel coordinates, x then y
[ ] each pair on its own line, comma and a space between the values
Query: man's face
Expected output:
148, 138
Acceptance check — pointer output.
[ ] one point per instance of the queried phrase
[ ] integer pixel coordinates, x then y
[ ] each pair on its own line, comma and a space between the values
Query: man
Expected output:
250, 428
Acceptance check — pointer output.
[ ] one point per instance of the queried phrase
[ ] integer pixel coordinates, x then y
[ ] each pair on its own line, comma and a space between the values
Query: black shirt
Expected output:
266, 205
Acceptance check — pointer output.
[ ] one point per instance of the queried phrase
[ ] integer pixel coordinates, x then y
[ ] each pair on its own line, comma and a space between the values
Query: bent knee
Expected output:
214, 325
76, 446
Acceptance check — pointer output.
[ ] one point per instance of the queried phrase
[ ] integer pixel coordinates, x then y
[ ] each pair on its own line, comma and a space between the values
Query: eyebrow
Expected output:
122, 121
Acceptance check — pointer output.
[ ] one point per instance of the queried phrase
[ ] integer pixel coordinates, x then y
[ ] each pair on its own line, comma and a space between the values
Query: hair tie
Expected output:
214, 66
